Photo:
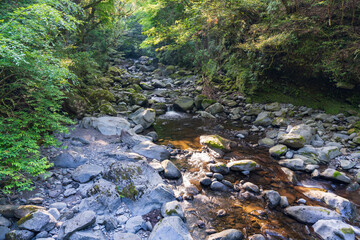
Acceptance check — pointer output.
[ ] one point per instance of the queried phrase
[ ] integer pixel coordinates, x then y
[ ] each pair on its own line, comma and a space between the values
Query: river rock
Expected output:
278, 150
37, 221
248, 186
184, 103
3, 232
4, 222
334, 230
263, 119
170, 170
77, 223
172, 209
86, 172
217, 142
205, 181
332, 174
8, 210
293, 164
151, 150
298, 136
23, 210
266, 142
87, 235
144, 117
273, 198
106, 125
126, 236
342, 205
257, 237
346, 164
242, 165
134, 224
19, 235
69, 159
229, 234
219, 168
290, 175
311, 214
170, 228
218, 186
215, 108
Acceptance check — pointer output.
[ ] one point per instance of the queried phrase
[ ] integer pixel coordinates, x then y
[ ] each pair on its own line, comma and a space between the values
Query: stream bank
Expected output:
111, 181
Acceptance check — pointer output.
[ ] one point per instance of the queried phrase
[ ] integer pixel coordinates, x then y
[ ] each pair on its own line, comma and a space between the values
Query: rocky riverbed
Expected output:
222, 169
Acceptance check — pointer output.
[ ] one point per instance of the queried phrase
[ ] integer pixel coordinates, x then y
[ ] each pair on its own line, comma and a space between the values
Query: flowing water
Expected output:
250, 214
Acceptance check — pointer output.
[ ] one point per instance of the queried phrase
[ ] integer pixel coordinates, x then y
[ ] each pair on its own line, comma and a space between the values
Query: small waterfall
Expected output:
171, 113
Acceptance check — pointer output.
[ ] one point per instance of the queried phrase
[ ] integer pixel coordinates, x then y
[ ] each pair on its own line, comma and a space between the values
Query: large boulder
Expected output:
69, 159
311, 214
263, 119
298, 136
342, 205
86, 172
106, 125
334, 230
184, 103
242, 165
333, 174
229, 234
145, 117
37, 221
77, 223
151, 150
215, 108
170, 228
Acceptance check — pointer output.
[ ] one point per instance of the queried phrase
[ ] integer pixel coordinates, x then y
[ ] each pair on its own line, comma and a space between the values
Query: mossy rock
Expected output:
184, 103
217, 142
242, 165
114, 71
139, 99
107, 109
198, 100
98, 95
170, 69
76, 104
278, 151
356, 140
207, 102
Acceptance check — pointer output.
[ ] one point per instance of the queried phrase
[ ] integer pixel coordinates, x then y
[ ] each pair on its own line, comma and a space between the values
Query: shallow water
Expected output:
251, 216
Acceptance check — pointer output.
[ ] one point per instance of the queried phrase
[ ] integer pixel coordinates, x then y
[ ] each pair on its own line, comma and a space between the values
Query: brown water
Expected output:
251, 216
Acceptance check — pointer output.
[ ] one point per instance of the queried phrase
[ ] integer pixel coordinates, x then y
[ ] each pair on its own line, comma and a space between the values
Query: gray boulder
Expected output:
229, 234
334, 230
218, 186
278, 150
215, 108
172, 209
257, 237
37, 221
4, 222
219, 168
86, 172
184, 103
298, 136
144, 117
87, 235
273, 198
311, 214
69, 159
342, 205
170, 228
293, 164
272, 107
170, 170
77, 223
134, 224
332, 174
152, 150
3, 232
106, 125
242, 165
263, 119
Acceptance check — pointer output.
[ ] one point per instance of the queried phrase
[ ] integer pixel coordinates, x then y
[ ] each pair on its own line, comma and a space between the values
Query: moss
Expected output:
253, 164
171, 212
336, 174
107, 109
129, 192
347, 230
101, 94
25, 218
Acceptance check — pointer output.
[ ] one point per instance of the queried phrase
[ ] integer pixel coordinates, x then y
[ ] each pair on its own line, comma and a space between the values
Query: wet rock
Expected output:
156, 165
263, 119
334, 230
218, 186
342, 205
79, 222
273, 198
219, 168
229, 234
69, 159
284, 202
106, 125
37, 221
289, 154
134, 224
151, 150
170, 228
125, 236
184, 103
293, 164
217, 142
257, 237
19, 235
278, 151
215, 108
144, 117
251, 187
352, 187
218, 176
153, 135
298, 136
311, 167
172, 209
86, 172
311, 214
335, 175
205, 181
266, 142
242, 165
170, 170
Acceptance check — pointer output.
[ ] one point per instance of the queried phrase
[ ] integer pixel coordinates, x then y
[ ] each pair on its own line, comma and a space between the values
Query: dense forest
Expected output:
54, 59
